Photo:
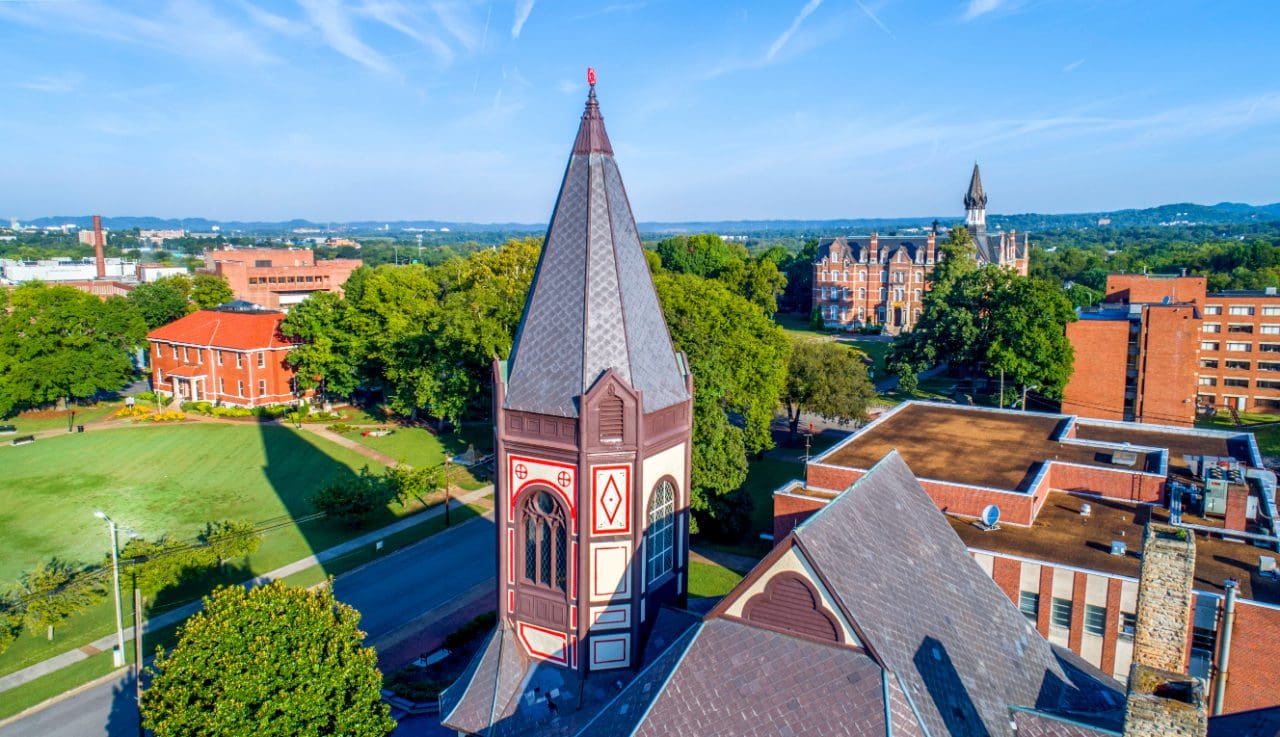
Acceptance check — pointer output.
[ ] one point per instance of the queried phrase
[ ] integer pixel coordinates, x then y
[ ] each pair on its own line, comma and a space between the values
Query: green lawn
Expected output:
57, 419
421, 448
875, 350
709, 579
797, 326
1268, 437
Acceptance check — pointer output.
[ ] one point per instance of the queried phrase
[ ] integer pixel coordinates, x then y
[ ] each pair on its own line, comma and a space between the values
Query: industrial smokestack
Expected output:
98, 243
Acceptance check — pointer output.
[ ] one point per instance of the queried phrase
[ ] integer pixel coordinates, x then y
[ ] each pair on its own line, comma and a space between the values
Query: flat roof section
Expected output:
1062, 536
1179, 444
979, 447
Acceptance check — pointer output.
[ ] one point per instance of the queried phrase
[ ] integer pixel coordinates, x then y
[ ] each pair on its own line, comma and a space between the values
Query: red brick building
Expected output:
880, 280
1074, 495
1159, 347
278, 278
233, 355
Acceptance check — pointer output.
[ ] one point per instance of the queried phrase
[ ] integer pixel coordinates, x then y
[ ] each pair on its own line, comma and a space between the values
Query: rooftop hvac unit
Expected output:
1086, 509
1119, 547
1267, 566
1124, 458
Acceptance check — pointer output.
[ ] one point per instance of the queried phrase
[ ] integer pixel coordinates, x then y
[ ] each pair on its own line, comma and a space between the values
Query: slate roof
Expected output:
930, 614
1255, 723
1031, 723
592, 305
975, 198
853, 248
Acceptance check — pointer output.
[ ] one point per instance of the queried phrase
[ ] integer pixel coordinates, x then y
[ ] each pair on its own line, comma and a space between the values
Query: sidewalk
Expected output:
350, 444
103, 644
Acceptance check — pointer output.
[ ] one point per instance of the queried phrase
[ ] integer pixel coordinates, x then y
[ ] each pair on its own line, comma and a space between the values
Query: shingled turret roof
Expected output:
976, 199
592, 305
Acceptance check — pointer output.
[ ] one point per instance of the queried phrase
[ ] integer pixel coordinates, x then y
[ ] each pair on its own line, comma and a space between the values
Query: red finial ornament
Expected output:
591, 76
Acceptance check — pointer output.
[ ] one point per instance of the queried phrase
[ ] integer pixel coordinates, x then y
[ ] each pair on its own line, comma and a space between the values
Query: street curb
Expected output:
63, 696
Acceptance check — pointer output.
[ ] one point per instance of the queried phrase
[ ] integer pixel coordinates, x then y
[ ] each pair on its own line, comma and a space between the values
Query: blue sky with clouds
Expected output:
465, 110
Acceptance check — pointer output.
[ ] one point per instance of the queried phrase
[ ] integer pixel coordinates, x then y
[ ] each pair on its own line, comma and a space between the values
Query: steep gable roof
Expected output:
225, 329
592, 305
975, 198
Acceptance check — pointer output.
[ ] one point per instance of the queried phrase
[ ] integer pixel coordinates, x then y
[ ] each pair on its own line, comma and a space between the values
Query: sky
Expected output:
339, 110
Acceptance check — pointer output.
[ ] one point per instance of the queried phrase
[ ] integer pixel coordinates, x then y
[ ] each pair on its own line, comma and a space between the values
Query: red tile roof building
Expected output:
278, 278
1068, 488
233, 355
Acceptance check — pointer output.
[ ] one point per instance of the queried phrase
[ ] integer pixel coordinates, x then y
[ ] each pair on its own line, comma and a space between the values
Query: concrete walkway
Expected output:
103, 644
350, 444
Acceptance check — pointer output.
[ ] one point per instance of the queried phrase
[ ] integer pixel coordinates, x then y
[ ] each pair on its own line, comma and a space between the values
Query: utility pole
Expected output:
118, 656
446, 492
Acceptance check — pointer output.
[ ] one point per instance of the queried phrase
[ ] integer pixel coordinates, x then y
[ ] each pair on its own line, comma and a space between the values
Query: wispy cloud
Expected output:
610, 9
874, 18
782, 40
52, 83
523, 8
977, 8
1072, 66
336, 27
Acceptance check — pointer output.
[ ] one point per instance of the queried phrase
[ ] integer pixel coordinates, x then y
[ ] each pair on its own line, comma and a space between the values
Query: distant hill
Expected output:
1181, 214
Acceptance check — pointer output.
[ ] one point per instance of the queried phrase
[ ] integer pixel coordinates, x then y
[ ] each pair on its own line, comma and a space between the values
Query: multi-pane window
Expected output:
157, 350
1209, 363
1271, 310
262, 359
262, 387
1239, 327
1029, 604
1269, 329
239, 388
659, 536
1208, 381
1269, 347
1236, 382
1239, 347
1268, 366
1128, 625
1060, 613
1095, 620
186, 356
1235, 363
545, 542
175, 352
1267, 384
1208, 345
239, 356
1213, 309
1240, 310
1211, 327
219, 357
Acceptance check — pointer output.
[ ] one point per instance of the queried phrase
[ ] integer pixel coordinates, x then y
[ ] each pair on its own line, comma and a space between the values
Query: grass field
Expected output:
709, 579
1268, 437
421, 448
57, 419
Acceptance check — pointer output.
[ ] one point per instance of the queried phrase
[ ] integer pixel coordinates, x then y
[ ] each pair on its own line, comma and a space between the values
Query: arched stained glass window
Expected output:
545, 542
660, 533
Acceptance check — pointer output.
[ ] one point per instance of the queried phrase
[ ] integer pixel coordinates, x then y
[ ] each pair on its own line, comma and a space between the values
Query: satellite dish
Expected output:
990, 516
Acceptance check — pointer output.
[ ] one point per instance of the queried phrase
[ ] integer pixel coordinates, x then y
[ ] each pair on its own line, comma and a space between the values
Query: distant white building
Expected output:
57, 270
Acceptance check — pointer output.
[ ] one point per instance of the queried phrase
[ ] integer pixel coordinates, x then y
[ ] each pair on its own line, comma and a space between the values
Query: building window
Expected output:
1240, 310
1269, 329
1209, 363
159, 376
262, 387
1208, 345
545, 542
1236, 382
844, 275
1268, 366
1095, 620
884, 293
1271, 310
186, 357
222, 386
1269, 347
1060, 613
1233, 363
1128, 625
200, 356
1211, 327
1213, 309
1239, 347
262, 359
1208, 381
862, 275
862, 294
1239, 327
659, 536
1266, 384
157, 350
239, 388
917, 295
1029, 605
239, 357
219, 354
175, 352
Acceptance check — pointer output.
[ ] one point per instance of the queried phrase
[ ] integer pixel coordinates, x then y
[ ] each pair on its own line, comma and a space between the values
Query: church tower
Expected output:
975, 203
593, 424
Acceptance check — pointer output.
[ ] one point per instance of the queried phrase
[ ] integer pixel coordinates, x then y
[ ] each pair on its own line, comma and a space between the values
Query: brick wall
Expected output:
1005, 572
1254, 670
227, 383
1145, 289
1097, 384
1169, 364
833, 478
789, 511
1117, 484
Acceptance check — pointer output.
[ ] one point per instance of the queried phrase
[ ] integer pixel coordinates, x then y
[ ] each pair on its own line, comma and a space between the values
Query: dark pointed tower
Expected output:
593, 415
975, 203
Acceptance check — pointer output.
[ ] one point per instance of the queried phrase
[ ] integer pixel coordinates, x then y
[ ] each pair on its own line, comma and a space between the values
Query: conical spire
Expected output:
592, 306
976, 199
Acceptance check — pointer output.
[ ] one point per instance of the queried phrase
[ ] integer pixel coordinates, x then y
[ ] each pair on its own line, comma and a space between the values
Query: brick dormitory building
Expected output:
1159, 348
232, 355
278, 277
881, 280
1074, 495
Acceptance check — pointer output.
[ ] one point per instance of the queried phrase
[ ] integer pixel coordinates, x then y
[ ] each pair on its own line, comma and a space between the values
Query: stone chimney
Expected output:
98, 245
1163, 700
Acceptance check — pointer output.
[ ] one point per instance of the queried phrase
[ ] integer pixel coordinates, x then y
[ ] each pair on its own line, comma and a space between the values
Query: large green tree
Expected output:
209, 291
162, 301
54, 591
271, 661
739, 362
710, 256
826, 379
328, 355
57, 342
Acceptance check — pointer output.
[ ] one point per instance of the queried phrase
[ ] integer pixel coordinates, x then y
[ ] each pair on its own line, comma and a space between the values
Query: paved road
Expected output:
400, 588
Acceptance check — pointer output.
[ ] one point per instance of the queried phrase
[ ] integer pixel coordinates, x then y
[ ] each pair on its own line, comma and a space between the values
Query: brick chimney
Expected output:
98, 243
1163, 700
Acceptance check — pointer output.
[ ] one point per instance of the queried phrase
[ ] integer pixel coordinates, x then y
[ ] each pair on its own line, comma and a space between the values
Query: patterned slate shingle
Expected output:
592, 305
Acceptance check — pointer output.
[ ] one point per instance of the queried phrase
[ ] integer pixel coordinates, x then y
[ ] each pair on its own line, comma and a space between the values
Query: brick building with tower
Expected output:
881, 280
278, 278
1159, 348
1073, 497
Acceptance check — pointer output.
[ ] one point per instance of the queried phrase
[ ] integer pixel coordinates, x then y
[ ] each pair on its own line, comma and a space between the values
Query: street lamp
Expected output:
118, 658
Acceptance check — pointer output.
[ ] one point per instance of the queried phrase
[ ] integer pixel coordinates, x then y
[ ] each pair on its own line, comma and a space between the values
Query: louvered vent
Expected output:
611, 412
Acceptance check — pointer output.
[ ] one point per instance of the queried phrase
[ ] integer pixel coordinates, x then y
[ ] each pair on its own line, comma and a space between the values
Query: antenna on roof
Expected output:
990, 517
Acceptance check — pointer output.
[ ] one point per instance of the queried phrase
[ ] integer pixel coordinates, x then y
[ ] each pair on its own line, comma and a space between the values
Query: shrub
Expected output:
202, 408
136, 412
232, 412
169, 416
144, 397
340, 427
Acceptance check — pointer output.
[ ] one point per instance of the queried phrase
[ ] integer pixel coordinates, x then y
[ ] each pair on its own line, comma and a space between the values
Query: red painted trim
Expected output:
597, 641
511, 555
621, 612
624, 506
563, 658
573, 617
511, 601
547, 481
